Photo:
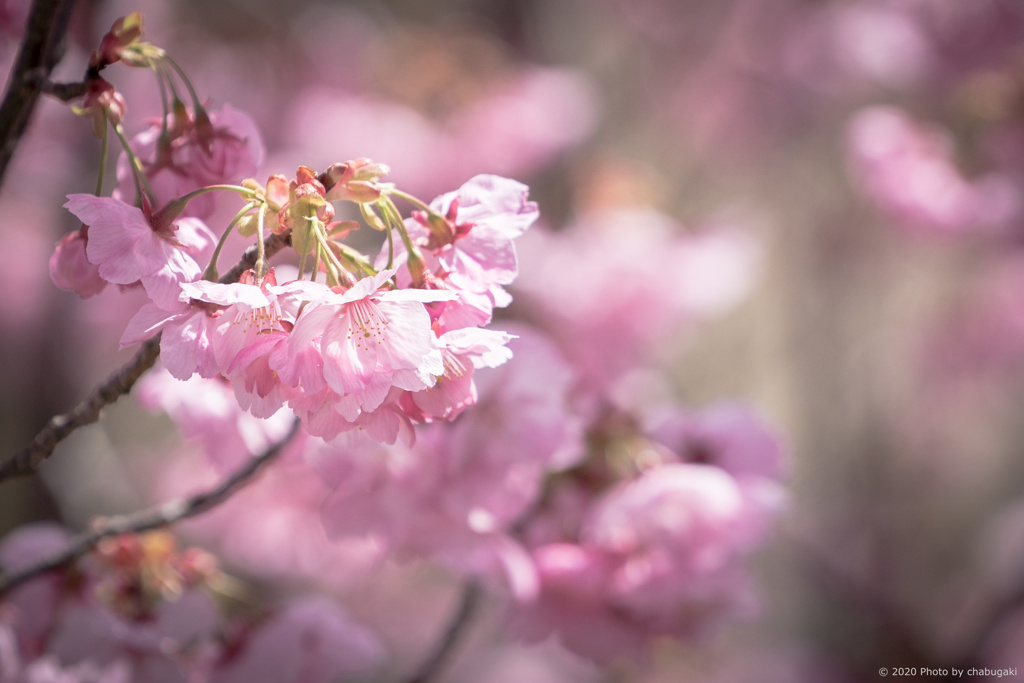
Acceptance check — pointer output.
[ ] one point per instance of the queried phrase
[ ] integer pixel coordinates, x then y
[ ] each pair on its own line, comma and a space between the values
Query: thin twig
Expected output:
64, 92
271, 246
468, 602
41, 49
147, 520
27, 460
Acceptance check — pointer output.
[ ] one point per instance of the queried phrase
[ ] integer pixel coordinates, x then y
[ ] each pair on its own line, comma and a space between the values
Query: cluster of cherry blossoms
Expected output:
600, 519
345, 342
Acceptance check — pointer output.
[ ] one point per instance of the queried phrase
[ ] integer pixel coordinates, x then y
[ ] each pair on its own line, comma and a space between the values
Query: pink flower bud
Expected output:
354, 181
71, 270
126, 31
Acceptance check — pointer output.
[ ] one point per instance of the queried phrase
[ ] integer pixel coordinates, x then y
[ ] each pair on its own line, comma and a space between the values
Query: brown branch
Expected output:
468, 602
64, 91
271, 246
27, 460
147, 520
41, 49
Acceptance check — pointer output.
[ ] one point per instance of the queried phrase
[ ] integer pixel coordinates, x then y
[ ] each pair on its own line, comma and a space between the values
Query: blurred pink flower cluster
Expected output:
539, 460
141, 610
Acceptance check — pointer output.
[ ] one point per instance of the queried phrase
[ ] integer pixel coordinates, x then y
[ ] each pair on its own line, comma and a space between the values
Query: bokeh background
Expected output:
864, 161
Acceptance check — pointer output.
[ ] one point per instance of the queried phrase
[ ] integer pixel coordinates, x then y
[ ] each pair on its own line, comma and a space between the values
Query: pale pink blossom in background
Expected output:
629, 277
207, 414
230, 151
310, 640
660, 555
907, 169
520, 124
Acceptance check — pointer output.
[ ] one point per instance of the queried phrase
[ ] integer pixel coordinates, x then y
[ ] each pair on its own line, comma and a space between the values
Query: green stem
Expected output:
162, 84
252, 194
418, 203
355, 260
394, 218
211, 270
334, 267
138, 174
103, 156
261, 255
391, 249
184, 79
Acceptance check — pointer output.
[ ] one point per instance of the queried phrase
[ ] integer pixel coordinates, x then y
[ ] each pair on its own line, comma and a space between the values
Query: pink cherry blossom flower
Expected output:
210, 325
71, 270
660, 555
371, 339
223, 148
471, 249
728, 435
676, 533
257, 387
127, 248
463, 351
525, 120
907, 169
603, 278
186, 346
456, 493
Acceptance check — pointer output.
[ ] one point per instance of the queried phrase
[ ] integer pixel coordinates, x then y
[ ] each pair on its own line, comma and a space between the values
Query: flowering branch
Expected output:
468, 602
40, 51
147, 520
27, 460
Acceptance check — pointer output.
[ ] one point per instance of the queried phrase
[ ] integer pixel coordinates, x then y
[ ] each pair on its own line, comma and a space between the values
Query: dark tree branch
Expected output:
271, 246
65, 91
468, 602
41, 49
147, 520
27, 460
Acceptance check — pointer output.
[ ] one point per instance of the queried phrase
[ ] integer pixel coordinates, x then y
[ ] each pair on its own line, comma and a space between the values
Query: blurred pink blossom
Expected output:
907, 169
222, 146
660, 555
310, 640
629, 277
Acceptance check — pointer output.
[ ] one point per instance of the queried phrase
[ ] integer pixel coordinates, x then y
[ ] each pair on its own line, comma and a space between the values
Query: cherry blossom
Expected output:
371, 339
70, 268
906, 168
215, 147
468, 245
127, 248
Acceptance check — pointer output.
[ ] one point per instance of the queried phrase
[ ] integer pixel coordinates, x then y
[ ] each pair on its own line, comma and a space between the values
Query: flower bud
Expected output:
354, 181
125, 32
101, 103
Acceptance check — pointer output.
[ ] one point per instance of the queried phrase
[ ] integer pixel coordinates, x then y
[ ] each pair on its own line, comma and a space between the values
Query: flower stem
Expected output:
418, 203
184, 79
211, 270
103, 156
261, 257
138, 174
